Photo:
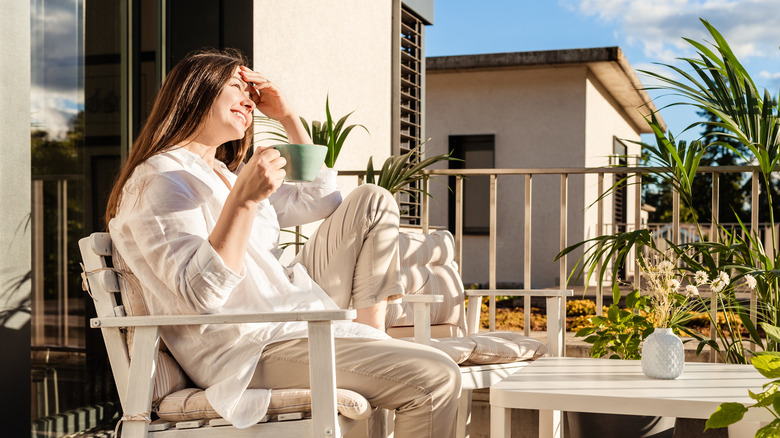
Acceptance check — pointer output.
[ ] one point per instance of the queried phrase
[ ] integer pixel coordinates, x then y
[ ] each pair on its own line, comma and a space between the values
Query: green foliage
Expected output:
619, 334
734, 188
328, 133
744, 122
768, 364
399, 173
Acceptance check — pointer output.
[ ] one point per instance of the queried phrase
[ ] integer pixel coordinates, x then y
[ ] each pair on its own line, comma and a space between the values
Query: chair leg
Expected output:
379, 424
464, 413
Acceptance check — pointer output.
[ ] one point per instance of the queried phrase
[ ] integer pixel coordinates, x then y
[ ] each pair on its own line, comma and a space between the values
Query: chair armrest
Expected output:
422, 315
222, 318
520, 292
146, 344
556, 313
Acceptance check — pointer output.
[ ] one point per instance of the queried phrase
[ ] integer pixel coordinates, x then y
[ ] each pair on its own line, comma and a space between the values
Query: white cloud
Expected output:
750, 26
53, 110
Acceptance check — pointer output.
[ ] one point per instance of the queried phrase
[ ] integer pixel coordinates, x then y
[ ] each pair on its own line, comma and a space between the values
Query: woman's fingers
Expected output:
255, 79
272, 164
268, 98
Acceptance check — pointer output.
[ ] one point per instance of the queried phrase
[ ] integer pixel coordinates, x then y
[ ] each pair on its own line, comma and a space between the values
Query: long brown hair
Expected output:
181, 106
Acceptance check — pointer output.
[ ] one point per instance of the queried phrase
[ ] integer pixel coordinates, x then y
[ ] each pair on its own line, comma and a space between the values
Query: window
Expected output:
477, 152
95, 69
410, 102
620, 199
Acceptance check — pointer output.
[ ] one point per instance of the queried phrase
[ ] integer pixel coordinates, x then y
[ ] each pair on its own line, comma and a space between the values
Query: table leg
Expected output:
550, 424
500, 422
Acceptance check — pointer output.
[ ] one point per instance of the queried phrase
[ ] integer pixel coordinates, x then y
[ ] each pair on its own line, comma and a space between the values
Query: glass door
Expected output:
94, 65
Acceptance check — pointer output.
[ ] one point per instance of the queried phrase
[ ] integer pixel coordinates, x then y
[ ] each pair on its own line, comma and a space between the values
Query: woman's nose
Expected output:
249, 104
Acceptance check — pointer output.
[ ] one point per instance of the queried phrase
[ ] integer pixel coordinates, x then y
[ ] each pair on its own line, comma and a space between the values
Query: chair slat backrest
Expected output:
104, 289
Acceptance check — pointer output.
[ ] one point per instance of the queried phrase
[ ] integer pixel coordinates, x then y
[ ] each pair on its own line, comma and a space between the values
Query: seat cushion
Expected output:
437, 331
191, 404
490, 348
504, 347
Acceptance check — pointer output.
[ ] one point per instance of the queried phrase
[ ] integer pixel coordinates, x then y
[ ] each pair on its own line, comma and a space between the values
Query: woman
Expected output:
202, 239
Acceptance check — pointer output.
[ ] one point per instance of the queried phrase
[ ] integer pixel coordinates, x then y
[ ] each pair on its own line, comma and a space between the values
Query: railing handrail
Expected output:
568, 170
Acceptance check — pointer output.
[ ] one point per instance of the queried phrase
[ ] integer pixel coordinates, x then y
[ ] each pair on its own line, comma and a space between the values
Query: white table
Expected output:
557, 384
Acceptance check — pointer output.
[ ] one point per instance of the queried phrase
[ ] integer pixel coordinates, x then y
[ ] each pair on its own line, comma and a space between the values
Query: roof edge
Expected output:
523, 59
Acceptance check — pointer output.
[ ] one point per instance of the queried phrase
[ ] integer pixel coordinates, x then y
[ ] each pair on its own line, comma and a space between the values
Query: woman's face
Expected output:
231, 113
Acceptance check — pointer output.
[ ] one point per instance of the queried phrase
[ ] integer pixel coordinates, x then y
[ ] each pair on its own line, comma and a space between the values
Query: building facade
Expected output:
545, 110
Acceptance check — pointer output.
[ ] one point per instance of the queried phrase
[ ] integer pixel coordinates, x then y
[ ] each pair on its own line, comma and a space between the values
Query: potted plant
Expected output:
618, 335
720, 86
328, 133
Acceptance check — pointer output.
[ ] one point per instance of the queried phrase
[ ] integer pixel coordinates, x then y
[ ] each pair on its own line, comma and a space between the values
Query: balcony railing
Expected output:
673, 232
634, 178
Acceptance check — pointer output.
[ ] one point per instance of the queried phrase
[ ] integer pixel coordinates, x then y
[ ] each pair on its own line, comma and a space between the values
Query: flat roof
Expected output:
608, 64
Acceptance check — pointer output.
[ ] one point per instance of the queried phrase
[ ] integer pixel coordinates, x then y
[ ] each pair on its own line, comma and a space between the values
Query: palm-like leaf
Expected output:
328, 133
721, 86
331, 134
399, 173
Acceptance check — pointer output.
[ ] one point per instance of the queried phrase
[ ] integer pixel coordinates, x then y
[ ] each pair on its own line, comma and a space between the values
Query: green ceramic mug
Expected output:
304, 161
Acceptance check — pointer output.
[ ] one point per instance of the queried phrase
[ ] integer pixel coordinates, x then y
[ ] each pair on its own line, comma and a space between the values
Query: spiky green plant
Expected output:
718, 84
400, 172
328, 133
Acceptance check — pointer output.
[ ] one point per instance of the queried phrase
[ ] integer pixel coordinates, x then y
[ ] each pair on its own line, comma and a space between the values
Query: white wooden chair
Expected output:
134, 368
435, 293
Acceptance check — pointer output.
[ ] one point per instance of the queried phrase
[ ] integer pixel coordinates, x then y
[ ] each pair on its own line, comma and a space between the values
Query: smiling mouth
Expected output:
241, 116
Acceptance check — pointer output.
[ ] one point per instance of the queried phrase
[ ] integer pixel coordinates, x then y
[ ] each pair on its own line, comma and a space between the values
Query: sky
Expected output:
648, 32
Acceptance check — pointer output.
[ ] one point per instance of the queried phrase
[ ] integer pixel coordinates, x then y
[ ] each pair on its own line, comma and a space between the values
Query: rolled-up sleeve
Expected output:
302, 203
208, 272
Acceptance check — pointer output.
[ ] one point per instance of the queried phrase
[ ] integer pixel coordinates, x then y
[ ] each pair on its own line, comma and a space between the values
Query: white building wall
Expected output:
605, 122
342, 49
15, 218
339, 50
538, 118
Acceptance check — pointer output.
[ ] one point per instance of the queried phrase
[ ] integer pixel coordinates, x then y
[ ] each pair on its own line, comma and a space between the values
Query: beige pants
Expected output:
420, 383
353, 255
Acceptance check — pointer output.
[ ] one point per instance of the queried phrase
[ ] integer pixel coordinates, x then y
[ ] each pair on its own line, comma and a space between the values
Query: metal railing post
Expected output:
459, 223
714, 237
527, 256
753, 232
563, 240
599, 232
492, 250
637, 226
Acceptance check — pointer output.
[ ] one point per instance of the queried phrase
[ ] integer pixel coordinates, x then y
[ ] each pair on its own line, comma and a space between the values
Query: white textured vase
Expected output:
663, 355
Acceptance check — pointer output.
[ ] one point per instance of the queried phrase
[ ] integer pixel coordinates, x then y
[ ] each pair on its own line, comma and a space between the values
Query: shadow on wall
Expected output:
15, 301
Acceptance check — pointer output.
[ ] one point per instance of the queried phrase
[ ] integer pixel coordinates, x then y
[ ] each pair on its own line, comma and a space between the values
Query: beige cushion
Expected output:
437, 331
504, 347
168, 376
459, 349
428, 267
191, 404
490, 348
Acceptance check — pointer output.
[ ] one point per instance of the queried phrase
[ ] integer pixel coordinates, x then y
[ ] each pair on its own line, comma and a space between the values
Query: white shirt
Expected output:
169, 207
